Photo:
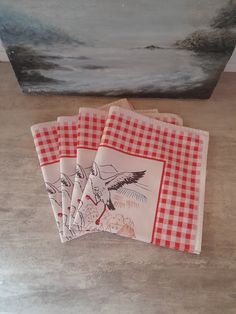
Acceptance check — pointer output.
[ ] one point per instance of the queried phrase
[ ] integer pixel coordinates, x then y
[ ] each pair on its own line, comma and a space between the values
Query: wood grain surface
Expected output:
103, 273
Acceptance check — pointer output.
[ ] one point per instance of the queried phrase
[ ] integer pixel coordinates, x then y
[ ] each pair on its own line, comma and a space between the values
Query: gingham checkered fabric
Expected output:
90, 126
67, 130
46, 142
91, 123
184, 152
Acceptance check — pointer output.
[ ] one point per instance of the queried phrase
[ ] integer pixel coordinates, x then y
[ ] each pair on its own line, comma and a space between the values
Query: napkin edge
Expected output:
158, 122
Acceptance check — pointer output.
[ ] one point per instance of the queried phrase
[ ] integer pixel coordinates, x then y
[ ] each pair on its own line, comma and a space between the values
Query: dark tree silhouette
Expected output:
226, 17
218, 40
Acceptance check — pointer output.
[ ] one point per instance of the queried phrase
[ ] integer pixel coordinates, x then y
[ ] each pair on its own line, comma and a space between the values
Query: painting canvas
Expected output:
141, 48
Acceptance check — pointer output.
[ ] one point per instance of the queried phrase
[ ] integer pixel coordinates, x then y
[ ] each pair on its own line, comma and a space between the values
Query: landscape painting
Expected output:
139, 48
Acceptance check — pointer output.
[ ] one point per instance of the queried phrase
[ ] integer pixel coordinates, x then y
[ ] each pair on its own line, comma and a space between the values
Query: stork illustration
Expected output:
66, 184
80, 177
55, 192
102, 187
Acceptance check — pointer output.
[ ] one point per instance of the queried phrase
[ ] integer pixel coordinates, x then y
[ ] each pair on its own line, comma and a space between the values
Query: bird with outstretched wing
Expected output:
102, 188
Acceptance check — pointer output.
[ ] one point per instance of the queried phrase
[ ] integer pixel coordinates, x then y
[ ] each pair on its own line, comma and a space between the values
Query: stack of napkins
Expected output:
137, 174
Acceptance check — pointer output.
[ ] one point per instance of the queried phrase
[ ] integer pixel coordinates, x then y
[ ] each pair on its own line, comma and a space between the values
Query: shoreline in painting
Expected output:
115, 54
116, 72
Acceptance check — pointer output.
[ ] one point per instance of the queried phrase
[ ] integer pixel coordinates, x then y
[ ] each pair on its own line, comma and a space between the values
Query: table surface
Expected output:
103, 273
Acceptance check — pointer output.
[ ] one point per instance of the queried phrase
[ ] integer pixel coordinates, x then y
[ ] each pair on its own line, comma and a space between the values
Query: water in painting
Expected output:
141, 48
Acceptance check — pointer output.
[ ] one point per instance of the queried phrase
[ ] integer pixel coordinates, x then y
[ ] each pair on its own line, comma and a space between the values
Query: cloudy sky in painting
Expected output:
122, 23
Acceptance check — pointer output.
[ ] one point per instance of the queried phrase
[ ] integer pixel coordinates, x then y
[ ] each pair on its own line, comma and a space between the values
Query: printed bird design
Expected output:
80, 177
102, 188
54, 192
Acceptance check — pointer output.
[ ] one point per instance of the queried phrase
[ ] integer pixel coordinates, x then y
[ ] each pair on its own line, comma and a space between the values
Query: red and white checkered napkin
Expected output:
46, 143
79, 136
67, 140
147, 182
90, 126
91, 123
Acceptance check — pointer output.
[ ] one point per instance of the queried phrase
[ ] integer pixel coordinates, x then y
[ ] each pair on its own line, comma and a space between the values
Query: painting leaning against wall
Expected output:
151, 48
